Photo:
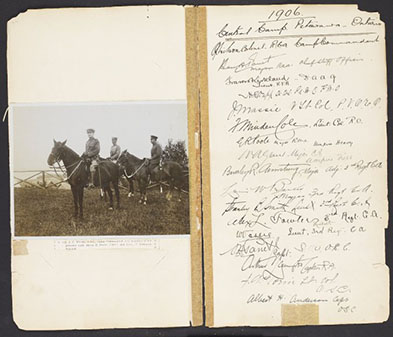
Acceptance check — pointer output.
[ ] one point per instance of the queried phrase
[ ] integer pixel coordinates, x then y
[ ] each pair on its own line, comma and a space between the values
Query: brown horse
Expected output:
106, 173
137, 168
77, 174
172, 172
130, 181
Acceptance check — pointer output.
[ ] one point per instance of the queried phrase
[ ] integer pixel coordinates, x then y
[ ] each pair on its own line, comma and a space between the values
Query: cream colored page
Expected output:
96, 55
143, 284
297, 112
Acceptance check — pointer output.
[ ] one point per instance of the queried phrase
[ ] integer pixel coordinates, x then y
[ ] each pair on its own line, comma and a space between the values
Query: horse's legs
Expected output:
159, 183
171, 185
75, 197
109, 191
130, 188
158, 175
179, 186
116, 188
142, 189
170, 190
143, 198
80, 192
144, 195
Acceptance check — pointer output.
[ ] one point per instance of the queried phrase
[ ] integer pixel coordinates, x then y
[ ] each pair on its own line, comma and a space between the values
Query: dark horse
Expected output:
137, 168
77, 174
123, 177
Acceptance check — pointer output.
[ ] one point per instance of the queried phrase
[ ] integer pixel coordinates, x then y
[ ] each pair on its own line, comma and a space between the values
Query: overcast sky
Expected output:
35, 127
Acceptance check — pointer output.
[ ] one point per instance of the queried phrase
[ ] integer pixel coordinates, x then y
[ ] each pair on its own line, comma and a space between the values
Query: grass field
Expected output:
49, 213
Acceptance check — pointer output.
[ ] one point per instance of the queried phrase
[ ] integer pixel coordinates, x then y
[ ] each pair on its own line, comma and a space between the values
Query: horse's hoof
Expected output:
144, 202
130, 195
111, 208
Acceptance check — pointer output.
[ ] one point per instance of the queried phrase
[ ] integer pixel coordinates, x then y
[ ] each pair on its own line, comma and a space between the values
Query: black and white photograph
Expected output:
99, 169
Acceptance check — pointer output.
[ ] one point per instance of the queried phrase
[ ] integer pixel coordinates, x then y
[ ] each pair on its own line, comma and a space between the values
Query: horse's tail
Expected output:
174, 171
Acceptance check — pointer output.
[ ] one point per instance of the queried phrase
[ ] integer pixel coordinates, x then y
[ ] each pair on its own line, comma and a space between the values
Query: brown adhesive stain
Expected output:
194, 163
19, 247
299, 314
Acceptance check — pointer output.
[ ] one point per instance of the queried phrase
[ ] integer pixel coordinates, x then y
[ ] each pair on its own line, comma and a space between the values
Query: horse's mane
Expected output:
132, 157
71, 151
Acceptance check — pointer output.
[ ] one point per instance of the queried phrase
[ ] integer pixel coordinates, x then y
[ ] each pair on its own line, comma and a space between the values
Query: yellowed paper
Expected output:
297, 134
124, 57
97, 54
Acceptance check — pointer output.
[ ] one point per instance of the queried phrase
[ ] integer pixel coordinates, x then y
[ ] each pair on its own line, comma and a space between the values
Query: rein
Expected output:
74, 170
62, 167
130, 176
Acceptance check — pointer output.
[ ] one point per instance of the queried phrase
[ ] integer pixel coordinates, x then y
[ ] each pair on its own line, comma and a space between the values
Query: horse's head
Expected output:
57, 152
122, 160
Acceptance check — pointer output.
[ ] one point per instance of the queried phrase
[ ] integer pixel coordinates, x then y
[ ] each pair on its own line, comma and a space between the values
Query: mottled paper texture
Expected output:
297, 147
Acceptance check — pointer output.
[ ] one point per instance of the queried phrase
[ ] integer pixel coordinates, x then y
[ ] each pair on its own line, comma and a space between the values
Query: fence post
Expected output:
43, 179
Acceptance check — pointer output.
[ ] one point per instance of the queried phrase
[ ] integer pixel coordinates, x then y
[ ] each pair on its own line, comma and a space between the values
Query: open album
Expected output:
219, 166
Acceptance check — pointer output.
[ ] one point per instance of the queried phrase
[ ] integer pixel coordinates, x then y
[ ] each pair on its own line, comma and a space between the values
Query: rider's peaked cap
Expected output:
154, 137
90, 130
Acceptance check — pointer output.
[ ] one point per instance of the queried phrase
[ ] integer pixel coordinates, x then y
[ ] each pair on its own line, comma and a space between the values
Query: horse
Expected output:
123, 177
106, 173
172, 172
123, 180
77, 174
135, 167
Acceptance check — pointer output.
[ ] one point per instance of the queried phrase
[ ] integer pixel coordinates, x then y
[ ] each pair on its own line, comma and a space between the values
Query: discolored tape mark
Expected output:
299, 314
19, 247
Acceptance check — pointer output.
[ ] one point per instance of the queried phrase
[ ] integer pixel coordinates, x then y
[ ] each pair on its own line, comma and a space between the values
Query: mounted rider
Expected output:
156, 154
91, 154
115, 150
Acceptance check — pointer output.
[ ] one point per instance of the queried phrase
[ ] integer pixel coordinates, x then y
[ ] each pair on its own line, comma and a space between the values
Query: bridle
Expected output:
137, 170
63, 168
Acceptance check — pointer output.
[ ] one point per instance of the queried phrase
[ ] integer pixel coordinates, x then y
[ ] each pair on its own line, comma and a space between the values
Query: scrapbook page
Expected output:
295, 130
139, 135
104, 185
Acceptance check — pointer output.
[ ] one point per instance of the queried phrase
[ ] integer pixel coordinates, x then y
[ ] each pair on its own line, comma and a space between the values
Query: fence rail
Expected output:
46, 179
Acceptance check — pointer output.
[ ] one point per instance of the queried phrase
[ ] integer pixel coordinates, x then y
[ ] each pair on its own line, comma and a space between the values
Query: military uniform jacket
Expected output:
156, 153
92, 148
115, 152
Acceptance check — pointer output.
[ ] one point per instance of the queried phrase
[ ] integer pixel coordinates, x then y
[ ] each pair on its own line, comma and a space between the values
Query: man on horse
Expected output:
156, 154
115, 150
91, 154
